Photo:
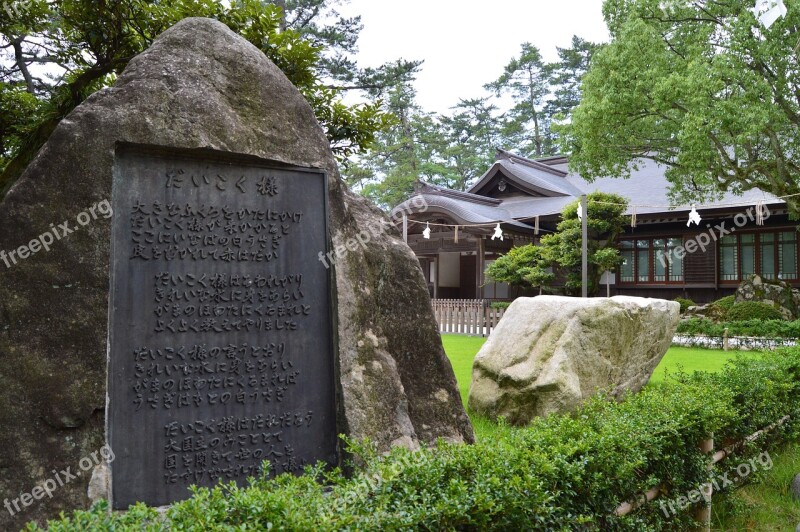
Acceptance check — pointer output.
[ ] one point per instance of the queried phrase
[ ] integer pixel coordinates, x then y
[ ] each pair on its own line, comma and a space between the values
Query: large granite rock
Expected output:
778, 294
549, 353
198, 86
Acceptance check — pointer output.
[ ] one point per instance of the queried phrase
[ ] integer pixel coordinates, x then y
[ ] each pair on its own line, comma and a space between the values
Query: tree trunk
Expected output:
537, 139
282, 4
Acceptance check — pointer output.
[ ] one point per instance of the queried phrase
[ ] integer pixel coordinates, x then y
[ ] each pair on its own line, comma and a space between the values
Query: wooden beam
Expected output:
480, 260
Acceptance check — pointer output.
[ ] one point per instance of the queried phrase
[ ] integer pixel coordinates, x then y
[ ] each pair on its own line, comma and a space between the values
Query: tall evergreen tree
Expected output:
471, 132
526, 80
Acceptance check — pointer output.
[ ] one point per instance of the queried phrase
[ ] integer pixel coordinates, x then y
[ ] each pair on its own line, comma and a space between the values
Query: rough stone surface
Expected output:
710, 311
198, 86
99, 484
796, 487
778, 294
549, 353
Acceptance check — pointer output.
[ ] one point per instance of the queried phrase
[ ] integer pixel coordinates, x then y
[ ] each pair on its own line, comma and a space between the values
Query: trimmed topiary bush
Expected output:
753, 310
718, 310
725, 302
685, 303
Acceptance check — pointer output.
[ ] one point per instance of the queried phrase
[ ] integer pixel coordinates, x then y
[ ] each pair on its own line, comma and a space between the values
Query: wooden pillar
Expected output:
436, 277
703, 513
480, 262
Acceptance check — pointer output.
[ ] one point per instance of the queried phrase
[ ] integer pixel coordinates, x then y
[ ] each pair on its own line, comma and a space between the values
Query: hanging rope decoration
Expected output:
498, 233
580, 212
761, 212
426, 234
694, 217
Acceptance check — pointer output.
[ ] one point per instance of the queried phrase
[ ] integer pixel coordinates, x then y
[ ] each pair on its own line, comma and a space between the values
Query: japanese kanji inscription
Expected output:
220, 341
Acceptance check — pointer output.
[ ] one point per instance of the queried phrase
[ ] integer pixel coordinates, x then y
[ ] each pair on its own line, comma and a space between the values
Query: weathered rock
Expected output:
549, 353
795, 490
778, 294
710, 311
198, 86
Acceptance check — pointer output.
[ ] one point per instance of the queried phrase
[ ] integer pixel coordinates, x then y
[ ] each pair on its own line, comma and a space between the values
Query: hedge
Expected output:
753, 310
757, 328
563, 472
500, 305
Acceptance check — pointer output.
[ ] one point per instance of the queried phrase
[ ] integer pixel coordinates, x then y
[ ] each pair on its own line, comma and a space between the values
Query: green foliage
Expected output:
532, 266
773, 328
685, 303
500, 305
526, 79
719, 308
561, 472
605, 223
527, 265
753, 310
454, 149
702, 87
92, 42
725, 302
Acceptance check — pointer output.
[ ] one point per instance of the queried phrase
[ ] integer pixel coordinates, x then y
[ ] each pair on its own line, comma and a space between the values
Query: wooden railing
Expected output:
703, 510
466, 316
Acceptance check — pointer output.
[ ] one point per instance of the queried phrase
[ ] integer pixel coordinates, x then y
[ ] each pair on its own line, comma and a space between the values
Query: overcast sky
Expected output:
466, 43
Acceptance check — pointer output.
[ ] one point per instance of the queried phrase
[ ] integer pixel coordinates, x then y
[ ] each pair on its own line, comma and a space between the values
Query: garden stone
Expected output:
709, 311
796, 487
778, 294
550, 353
199, 86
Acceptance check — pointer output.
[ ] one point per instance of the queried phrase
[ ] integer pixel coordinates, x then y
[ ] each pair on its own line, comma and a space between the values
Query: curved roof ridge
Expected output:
514, 158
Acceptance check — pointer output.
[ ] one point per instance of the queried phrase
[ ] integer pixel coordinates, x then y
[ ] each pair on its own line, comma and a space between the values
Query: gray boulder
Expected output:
550, 353
795, 489
709, 310
778, 294
198, 86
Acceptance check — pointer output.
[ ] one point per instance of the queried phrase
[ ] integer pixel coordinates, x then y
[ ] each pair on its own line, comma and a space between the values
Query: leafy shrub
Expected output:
685, 303
725, 302
757, 328
500, 305
700, 326
561, 472
753, 310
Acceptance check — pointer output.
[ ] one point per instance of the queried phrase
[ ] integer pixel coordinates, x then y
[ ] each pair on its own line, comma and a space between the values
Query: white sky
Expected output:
466, 43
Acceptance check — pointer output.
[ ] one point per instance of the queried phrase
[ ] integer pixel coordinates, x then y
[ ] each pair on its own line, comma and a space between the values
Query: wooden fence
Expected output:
703, 510
466, 316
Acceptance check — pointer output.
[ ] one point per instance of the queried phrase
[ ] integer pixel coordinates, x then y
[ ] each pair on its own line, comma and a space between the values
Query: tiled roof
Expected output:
647, 189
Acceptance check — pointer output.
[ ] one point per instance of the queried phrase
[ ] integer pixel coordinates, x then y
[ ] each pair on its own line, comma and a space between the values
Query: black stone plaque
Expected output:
220, 339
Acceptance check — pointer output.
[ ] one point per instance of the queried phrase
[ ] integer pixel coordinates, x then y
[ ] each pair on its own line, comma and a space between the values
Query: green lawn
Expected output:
462, 350
766, 505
